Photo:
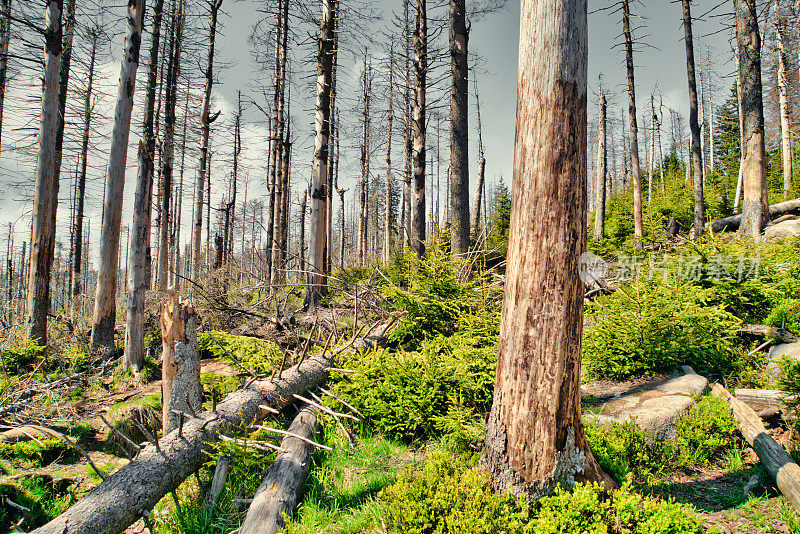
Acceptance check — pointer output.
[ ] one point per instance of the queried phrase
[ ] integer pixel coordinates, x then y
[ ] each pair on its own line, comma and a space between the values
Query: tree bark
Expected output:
602, 173
135, 488
105, 306
783, 99
317, 276
755, 206
363, 185
418, 125
637, 180
280, 149
694, 127
459, 129
481, 181
43, 230
5, 39
205, 131
738, 197
283, 482
387, 229
534, 434
142, 209
180, 371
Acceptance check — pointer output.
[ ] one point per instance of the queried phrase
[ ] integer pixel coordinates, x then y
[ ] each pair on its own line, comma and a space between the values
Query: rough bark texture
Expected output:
783, 100
363, 184
105, 306
280, 488
602, 173
755, 212
180, 368
405, 215
43, 230
481, 181
638, 227
387, 222
534, 433
774, 458
122, 497
459, 129
5, 39
142, 209
738, 197
281, 195
418, 125
694, 127
319, 181
205, 131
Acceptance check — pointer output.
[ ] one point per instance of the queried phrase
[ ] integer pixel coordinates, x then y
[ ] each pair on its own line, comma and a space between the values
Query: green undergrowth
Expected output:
258, 355
36, 493
450, 494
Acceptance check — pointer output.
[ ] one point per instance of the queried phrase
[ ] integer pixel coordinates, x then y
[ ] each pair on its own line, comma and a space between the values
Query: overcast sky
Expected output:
660, 69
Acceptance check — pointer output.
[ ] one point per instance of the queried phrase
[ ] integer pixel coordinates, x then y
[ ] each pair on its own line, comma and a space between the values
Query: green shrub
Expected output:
707, 430
38, 495
258, 355
650, 326
622, 450
450, 495
77, 358
22, 357
217, 386
787, 315
36, 453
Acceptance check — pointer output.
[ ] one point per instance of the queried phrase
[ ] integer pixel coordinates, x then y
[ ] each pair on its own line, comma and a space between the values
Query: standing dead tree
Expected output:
418, 157
480, 183
105, 306
635, 174
5, 39
363, 185
694, 127
783, 99
459, 129
602, 172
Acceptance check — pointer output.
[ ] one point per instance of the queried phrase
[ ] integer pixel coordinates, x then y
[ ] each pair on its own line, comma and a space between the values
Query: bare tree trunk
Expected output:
406, 213
303, 206
702, 118
694, 127
168, 158
387, 230
205, 130
280, 150
481, 181
755, 207
316, 279
180, 380
459, 129
43, 230
363, 187
105, 306
602, 173
142, 209
710, 115
77, 232
741, 132
418, 122
534, 434
783, 92
331, 156
653, 122
5, 38
637, 180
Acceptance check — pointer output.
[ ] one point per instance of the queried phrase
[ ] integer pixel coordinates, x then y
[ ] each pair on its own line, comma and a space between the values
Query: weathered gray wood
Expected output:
763, 330
459, 129
763, 399
180, 383
732, 222
776, 460
694, 127
135, 488
418, 161
218, 482
280, 488
634, 148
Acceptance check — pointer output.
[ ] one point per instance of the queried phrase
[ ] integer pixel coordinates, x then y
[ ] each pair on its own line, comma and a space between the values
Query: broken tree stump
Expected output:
776, 460
180, 369
280, 488
218, 482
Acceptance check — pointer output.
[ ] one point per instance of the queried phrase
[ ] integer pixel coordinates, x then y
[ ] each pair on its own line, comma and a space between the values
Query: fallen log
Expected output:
280, 488
732, 222
776, 460
763, 399
136, 488
785, 336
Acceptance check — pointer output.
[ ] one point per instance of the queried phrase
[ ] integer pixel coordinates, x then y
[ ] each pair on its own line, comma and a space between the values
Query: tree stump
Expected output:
180, 369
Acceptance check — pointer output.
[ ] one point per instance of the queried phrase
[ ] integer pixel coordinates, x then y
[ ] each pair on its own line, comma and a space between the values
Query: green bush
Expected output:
217, 386
36, 453
650, 326
258, 355
451, 495
622, 450
22, 357
707, 430
787, 315
38, 495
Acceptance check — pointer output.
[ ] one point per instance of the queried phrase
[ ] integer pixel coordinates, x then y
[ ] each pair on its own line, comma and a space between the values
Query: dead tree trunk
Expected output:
43, 230
602, 173
405, 215
418, 125
534, 434
459, 129
205, 130
783, 99
637, 180
480, 182
105, 306
282, 19
80, 192
387, 229
710, 114
738, 196
363, 186
316, 278
755, 207
694, 127
283, 482
180, 370
653, 122
5, 39
142, 209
